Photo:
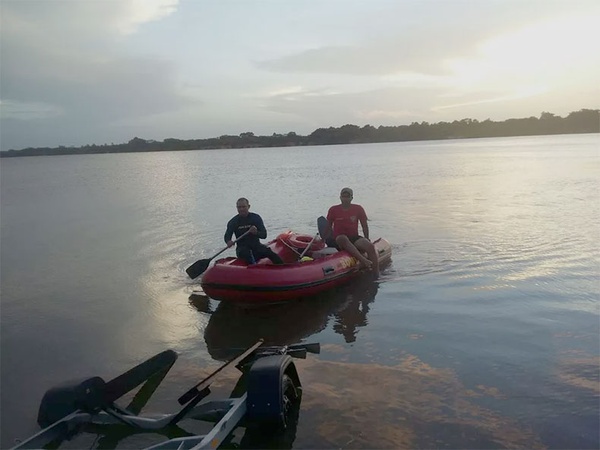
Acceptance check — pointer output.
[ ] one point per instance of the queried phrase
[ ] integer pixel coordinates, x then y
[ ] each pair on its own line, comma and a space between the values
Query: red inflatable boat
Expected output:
321, 268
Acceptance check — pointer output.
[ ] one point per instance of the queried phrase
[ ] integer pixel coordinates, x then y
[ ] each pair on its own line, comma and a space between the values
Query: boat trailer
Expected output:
269, 387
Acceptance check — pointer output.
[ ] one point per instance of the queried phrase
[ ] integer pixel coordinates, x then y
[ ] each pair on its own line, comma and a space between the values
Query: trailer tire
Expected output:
289, 396
274, 390
277, 431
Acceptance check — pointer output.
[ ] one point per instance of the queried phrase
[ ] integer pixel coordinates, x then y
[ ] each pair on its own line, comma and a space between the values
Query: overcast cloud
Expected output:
82, 72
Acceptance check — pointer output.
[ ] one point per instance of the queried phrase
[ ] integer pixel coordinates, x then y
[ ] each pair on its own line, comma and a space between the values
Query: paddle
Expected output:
201, 265
322, 226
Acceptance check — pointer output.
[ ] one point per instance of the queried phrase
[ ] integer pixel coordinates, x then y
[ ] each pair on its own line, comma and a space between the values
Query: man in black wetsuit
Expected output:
249, 247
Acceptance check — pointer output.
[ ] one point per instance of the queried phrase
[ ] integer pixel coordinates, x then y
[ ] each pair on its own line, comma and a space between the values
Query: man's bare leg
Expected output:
364, 245
344, 243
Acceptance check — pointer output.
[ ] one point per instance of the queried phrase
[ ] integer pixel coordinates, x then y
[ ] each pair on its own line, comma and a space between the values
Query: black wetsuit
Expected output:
249, 247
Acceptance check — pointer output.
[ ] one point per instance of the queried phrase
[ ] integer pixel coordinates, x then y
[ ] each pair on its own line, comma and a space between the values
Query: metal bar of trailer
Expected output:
213, 411
189, 395
55, 431
225, 426
215, 437
231, 410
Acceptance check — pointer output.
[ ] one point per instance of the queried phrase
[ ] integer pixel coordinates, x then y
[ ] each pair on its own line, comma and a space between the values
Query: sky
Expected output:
77, 72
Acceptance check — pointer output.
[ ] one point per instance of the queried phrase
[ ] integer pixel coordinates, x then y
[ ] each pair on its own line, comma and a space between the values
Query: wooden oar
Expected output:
322, 226
198, 268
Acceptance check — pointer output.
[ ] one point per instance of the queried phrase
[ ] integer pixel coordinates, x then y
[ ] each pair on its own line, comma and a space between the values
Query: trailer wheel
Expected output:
274, 393
279, 430
289, 397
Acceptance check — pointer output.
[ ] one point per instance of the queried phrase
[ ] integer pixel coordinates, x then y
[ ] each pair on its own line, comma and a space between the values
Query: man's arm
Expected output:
365, 227
229, 231
363, 223
260, 227
328, 227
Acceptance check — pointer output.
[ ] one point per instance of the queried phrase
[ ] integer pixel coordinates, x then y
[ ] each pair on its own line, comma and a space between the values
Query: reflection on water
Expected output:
582, 372
407, 405
353, 313
231, 328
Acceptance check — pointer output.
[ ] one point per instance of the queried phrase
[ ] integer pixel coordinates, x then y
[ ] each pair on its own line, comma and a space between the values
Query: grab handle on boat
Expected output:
328, 270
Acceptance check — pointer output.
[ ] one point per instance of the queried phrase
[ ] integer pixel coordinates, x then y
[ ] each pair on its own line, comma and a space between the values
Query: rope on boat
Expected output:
289, 246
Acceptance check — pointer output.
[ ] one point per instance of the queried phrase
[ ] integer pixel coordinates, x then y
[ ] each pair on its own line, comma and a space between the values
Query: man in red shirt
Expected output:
343, 219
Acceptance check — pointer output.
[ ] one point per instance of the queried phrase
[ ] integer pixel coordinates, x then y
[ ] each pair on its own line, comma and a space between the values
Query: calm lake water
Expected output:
482, 333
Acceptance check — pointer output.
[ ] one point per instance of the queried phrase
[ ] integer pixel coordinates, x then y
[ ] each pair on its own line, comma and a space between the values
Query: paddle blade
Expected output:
313, 348
322, 226
310, 348
198, 268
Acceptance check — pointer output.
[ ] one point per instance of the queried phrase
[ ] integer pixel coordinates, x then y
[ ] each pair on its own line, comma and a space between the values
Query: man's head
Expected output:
346, 196
242, 206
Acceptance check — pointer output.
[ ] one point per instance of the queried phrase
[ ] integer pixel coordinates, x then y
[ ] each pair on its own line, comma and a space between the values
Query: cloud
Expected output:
137, 12
77, 72
375, 58
417, 39
86, 81
27, 110
444, 75
378, 106
60, 19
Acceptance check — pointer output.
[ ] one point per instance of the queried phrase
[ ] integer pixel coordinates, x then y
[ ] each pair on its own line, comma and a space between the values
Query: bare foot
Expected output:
365, 264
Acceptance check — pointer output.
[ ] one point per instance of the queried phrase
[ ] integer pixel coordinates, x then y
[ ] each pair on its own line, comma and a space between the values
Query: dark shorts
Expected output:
331, 241
252, 254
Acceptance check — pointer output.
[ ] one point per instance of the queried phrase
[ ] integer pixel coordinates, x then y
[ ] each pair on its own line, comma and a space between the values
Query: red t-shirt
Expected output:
345, 221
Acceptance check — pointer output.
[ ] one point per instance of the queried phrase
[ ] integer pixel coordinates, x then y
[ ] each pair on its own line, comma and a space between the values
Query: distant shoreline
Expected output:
577, 122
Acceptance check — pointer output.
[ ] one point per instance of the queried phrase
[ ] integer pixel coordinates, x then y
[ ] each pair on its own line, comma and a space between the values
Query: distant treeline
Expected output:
582, 121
